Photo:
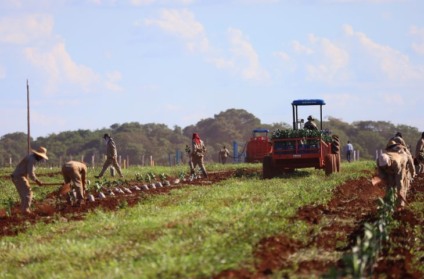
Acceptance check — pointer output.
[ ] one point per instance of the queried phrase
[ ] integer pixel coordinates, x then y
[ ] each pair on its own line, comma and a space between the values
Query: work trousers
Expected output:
111, 161
72, 175
25, 193
197, 161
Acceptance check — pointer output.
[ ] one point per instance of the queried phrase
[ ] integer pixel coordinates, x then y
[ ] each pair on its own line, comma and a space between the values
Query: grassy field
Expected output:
192, 232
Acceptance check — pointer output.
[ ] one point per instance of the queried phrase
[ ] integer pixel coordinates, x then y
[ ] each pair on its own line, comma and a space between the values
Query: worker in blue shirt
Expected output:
349, 151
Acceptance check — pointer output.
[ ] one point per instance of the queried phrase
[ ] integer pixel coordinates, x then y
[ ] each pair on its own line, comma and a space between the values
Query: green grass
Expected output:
193, 232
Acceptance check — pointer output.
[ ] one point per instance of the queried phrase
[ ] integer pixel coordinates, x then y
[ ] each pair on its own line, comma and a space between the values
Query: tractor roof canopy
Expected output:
260, 131
305, 102
308, 102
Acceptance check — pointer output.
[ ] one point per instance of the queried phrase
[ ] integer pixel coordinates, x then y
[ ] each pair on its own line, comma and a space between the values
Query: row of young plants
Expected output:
364, 254
104, 187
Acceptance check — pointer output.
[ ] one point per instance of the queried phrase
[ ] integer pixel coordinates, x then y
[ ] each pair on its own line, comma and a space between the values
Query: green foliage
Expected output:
139, 177
7, 204
366, 250
163, 176
137, 142
302, 133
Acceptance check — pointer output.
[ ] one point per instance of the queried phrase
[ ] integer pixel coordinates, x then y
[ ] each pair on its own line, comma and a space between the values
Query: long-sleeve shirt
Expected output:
111, 149
26, 168
198, 149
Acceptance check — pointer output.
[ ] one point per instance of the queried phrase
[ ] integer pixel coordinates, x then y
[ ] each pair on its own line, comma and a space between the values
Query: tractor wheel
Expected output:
267, 168
329, 164
337, 163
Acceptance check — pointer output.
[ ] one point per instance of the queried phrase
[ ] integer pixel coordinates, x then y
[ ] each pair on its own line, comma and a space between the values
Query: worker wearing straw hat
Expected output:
310, 124
24, 172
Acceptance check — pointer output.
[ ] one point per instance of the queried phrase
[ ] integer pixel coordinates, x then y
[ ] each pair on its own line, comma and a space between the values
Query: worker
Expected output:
397, 169
24, 171
111, 156
310, 124
74, 173
197, 153
398, 139
349, 151
223, 154
419, 154
397, 143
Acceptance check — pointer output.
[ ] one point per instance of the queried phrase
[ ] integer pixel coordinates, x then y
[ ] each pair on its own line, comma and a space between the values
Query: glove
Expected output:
39, 183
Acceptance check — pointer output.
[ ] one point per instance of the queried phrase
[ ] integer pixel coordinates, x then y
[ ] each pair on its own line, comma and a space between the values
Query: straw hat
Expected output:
41, 151
391, 144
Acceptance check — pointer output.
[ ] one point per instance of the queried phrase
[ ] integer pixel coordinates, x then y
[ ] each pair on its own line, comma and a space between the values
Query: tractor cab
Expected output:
299, 123
258, 134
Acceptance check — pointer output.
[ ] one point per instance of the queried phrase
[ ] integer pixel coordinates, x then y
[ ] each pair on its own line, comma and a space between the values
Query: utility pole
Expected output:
29, 130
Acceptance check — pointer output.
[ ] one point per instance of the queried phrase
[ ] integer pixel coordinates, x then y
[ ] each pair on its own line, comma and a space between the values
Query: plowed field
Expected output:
353, 199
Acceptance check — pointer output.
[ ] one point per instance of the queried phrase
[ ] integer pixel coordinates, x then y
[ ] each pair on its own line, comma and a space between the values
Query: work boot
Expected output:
79, 203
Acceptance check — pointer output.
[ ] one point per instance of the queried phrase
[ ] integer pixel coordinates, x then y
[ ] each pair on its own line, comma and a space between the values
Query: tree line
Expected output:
137, 143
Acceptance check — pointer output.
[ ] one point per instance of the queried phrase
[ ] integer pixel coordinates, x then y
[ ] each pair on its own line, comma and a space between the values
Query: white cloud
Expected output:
299, 48
112, 82
12, 3
141, 2
22, 30
418, 34
365, 1
356, 58
246, 56
282, 55
148, 2
33, 36
332, 61
59, 67
183, 24
393, 64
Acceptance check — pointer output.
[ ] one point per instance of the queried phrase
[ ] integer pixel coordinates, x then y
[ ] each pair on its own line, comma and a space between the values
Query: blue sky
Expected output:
94, 63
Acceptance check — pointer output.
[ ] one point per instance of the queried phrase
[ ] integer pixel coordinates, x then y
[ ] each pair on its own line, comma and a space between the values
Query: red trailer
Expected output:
258, 146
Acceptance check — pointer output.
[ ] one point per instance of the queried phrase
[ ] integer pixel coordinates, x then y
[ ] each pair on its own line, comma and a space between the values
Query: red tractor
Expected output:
258, 146
302, 148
